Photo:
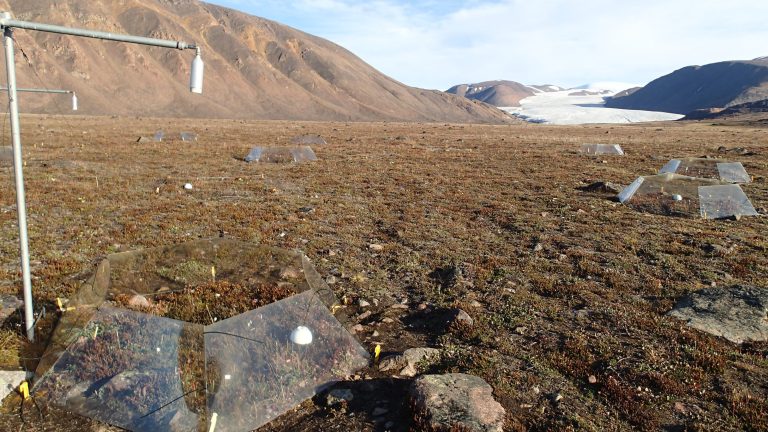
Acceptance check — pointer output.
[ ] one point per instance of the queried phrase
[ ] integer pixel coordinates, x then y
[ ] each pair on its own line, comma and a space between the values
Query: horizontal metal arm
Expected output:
26, 90
7, 22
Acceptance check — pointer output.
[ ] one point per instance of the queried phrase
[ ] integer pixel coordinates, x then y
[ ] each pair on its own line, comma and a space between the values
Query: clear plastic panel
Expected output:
724, 201
303, 154
602, 149
308, 140
254, 155
733, 172
670, 167
630, 190
159, 135
6, 156
188, 136
258, 369
132, 370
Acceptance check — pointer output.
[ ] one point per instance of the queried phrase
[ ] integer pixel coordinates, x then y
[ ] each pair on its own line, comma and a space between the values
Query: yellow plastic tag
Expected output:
61, 307
24, 390
95, 332
213, 273
377, 352
335, 307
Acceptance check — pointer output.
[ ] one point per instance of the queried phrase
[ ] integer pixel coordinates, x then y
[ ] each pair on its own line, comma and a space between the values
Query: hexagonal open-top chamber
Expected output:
602, 149
672, 194
141, 371
729, 172
281, 154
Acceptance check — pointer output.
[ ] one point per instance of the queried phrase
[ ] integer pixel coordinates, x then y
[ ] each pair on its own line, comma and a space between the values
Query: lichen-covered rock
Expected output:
407, 362
738, 314
456, 401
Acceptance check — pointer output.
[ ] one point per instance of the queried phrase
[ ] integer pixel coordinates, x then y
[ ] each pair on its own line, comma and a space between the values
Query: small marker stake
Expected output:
95, 332
213, 273
61, 307
214, 418
24, 390
376, 352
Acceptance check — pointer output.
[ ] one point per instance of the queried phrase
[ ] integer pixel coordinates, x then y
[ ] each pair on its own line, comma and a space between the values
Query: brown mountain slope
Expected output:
716, 85
496, 93
255, 68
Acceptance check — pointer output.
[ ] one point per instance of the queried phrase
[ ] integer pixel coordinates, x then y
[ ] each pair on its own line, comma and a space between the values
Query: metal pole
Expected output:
31, 90
21, 206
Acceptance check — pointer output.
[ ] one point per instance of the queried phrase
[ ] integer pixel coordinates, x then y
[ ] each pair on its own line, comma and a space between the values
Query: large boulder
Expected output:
456, 402
738, 314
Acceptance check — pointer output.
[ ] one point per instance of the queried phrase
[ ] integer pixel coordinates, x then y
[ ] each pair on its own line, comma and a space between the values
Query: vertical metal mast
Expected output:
18, 173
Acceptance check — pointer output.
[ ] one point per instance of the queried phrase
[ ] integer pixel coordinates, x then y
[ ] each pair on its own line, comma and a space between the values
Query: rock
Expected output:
138, 301
592, 379
399, 306
456, 402
375, 334
358, 328
338, 397
363, 304
188, 186
331, 280
376, 247
422, 306
462, 318
738, 314
364, 315
602, 187
10, 381
475, 304
407, 363
538, 247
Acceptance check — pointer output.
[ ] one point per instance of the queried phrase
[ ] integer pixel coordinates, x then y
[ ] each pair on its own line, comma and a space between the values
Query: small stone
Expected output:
558, 397
138, 301
363, 304
387, 320
331, 280
339, 396
364, 315
422, 306
463, 318
592, 379
680, 407
379, 411
475, 304
188, 186
331, 253
521, 330
399, 306
358, 328
538, 247
375, 334
376, 247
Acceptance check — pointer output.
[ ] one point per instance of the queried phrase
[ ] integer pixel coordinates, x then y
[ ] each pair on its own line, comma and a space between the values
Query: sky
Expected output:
436, 44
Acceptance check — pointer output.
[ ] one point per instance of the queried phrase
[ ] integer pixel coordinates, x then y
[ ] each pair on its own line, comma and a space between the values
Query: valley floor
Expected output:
568, 289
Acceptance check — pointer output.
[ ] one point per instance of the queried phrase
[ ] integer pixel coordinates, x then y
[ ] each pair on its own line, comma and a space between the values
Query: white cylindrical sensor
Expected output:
196, 74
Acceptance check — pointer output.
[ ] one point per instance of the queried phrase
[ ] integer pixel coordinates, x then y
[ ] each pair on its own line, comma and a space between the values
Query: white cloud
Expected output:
436, 44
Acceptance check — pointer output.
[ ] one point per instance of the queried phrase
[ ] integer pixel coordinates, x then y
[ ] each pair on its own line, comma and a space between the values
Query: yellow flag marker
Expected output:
213, 273
376, 352
61, 307
95, 332
24, 390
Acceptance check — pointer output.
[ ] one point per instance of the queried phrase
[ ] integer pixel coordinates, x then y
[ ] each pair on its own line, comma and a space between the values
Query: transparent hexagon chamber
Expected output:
142, 371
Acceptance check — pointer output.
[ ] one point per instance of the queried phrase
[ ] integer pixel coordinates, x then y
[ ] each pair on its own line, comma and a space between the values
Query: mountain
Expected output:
749, 109
255, 68
716, 85
499, 93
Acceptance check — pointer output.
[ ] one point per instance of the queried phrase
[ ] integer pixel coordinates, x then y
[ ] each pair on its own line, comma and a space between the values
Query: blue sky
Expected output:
436, 44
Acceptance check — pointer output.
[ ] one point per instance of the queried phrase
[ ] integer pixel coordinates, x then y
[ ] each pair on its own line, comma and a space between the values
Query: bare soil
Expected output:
568, 289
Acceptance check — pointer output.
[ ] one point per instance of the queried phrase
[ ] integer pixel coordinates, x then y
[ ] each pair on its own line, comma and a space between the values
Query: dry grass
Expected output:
571, 284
